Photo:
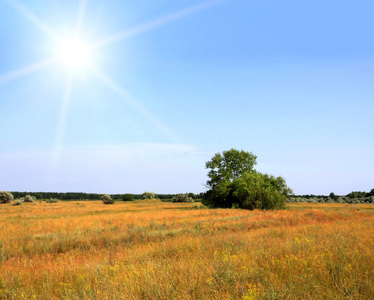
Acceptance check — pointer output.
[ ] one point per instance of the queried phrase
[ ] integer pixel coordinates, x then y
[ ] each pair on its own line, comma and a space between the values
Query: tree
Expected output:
229, 165
128, 197
333, 196
356, 194
192, 195
219, 196
5, 197
234, 183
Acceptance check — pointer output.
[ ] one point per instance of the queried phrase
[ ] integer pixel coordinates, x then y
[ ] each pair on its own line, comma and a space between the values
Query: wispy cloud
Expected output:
161, 168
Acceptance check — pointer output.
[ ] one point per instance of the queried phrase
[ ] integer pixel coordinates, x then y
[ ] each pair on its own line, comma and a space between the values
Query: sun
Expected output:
73, 52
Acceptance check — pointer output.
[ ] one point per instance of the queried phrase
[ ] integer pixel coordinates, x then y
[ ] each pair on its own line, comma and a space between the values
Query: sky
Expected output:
131, 96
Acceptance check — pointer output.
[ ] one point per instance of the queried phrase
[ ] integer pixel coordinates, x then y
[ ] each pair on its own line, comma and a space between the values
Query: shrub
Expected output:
107, 199
148, 195
200, 207
128, 197
261, 191
182, 198
5, 197
18, 202
28, 198
249, 191
51, 200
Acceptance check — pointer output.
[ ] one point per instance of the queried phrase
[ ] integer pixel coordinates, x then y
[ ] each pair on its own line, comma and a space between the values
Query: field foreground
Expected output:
155, 250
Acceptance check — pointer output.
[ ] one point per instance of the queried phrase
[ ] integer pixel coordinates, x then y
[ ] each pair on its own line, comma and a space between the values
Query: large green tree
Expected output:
229, 165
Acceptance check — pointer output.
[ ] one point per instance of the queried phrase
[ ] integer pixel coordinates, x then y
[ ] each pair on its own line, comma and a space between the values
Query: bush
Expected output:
18, 202
182, 198
200, 207
249, 191
51, 200
148, 195
260, 191
107, 199
5, 197
128, 197
28, 198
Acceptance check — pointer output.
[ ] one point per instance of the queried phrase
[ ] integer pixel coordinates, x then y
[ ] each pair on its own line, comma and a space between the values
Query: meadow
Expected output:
155, 250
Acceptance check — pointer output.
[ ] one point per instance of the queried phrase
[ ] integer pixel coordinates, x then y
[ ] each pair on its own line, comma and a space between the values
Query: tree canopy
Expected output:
229, 165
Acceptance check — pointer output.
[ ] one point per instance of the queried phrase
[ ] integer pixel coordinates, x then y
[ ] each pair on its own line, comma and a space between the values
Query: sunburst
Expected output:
74, 52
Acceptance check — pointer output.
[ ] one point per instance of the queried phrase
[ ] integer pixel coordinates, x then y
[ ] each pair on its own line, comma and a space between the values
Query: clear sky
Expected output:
130, 96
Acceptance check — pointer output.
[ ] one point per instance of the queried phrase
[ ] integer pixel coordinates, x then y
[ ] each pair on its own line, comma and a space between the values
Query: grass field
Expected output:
155, 250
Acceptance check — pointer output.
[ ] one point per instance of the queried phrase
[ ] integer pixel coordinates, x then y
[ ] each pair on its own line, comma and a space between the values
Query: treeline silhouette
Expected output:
70, 196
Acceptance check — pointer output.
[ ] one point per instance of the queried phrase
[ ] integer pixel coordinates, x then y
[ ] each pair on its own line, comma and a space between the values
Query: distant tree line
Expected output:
352, 197
92, 196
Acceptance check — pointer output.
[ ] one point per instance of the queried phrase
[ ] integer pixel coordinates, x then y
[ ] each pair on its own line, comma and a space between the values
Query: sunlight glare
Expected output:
74, 52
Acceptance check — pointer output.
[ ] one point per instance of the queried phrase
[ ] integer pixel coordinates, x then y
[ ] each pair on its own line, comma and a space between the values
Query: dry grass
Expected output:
154, 250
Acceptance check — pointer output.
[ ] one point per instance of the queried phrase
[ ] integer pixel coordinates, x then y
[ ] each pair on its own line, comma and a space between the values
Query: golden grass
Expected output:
154, 250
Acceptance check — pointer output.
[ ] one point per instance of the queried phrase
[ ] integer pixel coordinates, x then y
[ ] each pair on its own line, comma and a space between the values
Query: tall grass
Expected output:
155, 250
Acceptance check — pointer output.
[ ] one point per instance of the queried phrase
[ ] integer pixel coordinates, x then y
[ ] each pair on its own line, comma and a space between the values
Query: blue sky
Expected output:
170, 83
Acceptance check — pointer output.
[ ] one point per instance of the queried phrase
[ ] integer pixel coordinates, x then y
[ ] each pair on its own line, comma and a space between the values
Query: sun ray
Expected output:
136, 105
156, 23
26, 70
31, 17
81, 14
